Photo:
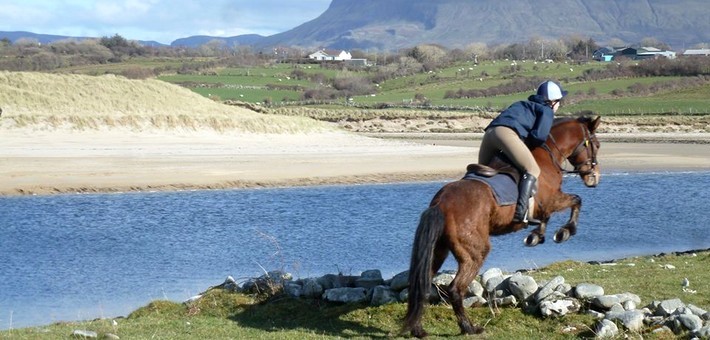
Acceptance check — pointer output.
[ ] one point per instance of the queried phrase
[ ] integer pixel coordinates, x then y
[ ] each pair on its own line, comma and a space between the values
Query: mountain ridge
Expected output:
397, 24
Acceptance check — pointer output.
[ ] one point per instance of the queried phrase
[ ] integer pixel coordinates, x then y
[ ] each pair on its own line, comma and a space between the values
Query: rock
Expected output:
329, 281
268, 283
311, 288
667, 307
595, 314
111, 336
548, 288
494, 284
606, 329
605, 301
442, 279
475, 288
193, 298
382, 295
345, 294
617, 308
632, 319
488, 274
404, 295
623, 297
588, 291
505, 301
703, 314
690, 321
400, 281
230, 284
559, 307
522, 286
369, 279
629, 305
474, 301
564, 288
293, 289
704, 332
83, 334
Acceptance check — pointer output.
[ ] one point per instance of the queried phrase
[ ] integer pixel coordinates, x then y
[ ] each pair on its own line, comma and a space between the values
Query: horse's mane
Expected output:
584, 116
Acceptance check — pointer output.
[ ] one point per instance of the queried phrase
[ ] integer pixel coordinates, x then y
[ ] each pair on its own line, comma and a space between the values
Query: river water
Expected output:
83, 256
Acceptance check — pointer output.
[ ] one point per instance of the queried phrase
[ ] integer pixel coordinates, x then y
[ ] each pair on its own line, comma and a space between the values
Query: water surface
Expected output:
75, 257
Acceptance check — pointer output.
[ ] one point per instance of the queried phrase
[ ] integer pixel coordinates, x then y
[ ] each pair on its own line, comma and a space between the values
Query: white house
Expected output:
330, 55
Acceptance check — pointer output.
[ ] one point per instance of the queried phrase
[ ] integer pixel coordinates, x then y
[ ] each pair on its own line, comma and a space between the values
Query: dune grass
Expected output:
92, 102
223, 315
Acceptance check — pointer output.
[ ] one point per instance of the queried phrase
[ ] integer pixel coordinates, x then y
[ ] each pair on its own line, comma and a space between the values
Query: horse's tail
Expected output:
430, 229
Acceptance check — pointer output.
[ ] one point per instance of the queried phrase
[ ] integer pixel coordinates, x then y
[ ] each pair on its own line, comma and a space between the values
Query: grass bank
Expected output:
222, 315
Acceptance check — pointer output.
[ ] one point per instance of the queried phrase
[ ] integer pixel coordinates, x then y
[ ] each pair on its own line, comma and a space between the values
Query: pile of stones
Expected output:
614, 312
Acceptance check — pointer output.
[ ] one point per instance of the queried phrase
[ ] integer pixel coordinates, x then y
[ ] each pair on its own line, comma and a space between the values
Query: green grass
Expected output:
223, 315
276, 84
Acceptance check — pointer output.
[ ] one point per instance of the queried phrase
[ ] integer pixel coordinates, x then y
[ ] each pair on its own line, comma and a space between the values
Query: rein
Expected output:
584, 145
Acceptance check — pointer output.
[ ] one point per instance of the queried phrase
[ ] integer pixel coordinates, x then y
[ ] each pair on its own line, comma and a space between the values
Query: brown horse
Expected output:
464, 213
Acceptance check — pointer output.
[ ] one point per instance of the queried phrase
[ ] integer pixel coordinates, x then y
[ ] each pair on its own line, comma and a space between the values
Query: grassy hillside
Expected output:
46, 100
277, 85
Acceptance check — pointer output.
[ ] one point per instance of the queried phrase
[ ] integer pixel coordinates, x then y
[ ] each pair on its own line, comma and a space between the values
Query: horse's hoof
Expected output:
532, 240
562, 235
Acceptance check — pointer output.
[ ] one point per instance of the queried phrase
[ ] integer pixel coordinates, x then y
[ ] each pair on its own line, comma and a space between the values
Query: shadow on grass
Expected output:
310, 316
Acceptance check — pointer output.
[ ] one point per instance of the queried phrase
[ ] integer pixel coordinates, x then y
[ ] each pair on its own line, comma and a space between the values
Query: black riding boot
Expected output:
527, 188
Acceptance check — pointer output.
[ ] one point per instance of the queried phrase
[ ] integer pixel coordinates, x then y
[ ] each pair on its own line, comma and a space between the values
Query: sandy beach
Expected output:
70, 161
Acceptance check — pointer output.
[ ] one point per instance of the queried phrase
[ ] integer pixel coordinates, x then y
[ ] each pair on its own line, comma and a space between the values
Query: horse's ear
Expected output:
595, 123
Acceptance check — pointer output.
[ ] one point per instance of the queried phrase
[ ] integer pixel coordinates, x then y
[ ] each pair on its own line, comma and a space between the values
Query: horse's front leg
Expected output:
537, 235
569, 229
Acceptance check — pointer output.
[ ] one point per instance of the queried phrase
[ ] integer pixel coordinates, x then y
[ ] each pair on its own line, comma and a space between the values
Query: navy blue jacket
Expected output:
531, 119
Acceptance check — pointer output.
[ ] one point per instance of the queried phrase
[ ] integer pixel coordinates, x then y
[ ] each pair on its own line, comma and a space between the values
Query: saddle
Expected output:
500, 175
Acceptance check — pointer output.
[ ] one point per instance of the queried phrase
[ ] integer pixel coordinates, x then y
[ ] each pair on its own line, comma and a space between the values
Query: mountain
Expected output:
394, 24
49, 38
197, 40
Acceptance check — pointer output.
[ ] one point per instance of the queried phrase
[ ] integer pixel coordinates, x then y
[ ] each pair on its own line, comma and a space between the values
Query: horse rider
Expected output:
522, 126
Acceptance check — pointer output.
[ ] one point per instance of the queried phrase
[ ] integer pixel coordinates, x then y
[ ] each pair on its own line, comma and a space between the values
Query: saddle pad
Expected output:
504, 187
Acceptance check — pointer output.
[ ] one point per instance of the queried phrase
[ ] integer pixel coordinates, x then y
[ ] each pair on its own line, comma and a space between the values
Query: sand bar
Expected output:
47, 162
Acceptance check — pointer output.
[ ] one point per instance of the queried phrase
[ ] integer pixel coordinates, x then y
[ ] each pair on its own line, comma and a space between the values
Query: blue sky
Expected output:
159, 20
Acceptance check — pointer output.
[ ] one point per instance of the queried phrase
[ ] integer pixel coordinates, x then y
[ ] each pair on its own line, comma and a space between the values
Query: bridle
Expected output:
588, 144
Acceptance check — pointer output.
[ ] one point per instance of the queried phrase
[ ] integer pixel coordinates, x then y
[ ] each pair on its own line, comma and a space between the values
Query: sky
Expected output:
159, 20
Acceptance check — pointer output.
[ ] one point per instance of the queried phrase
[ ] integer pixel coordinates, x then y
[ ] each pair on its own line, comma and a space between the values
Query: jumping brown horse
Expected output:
464, 213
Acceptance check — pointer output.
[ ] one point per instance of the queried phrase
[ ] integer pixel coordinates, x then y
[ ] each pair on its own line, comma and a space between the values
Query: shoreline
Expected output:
62, 162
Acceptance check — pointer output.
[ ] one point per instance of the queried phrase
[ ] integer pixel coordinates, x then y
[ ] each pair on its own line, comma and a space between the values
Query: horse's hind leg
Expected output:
470, 259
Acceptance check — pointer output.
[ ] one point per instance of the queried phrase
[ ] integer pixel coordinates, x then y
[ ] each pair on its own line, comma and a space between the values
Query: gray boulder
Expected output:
588, 291
606, 329
668, 307
632, 319
369, 279
400, 281
522, 286
345, 294
548, 288
311, 288
382, 295
560, 307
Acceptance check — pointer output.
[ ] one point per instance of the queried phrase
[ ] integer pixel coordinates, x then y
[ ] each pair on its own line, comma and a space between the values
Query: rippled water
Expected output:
72, 257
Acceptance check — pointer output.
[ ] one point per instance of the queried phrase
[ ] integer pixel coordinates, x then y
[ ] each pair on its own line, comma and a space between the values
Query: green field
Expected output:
284, 84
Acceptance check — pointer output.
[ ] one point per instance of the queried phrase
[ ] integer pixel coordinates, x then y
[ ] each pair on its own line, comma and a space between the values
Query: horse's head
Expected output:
575, 140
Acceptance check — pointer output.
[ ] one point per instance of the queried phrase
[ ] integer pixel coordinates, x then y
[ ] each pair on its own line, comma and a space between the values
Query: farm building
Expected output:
700, 52
636, 53
330, 55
